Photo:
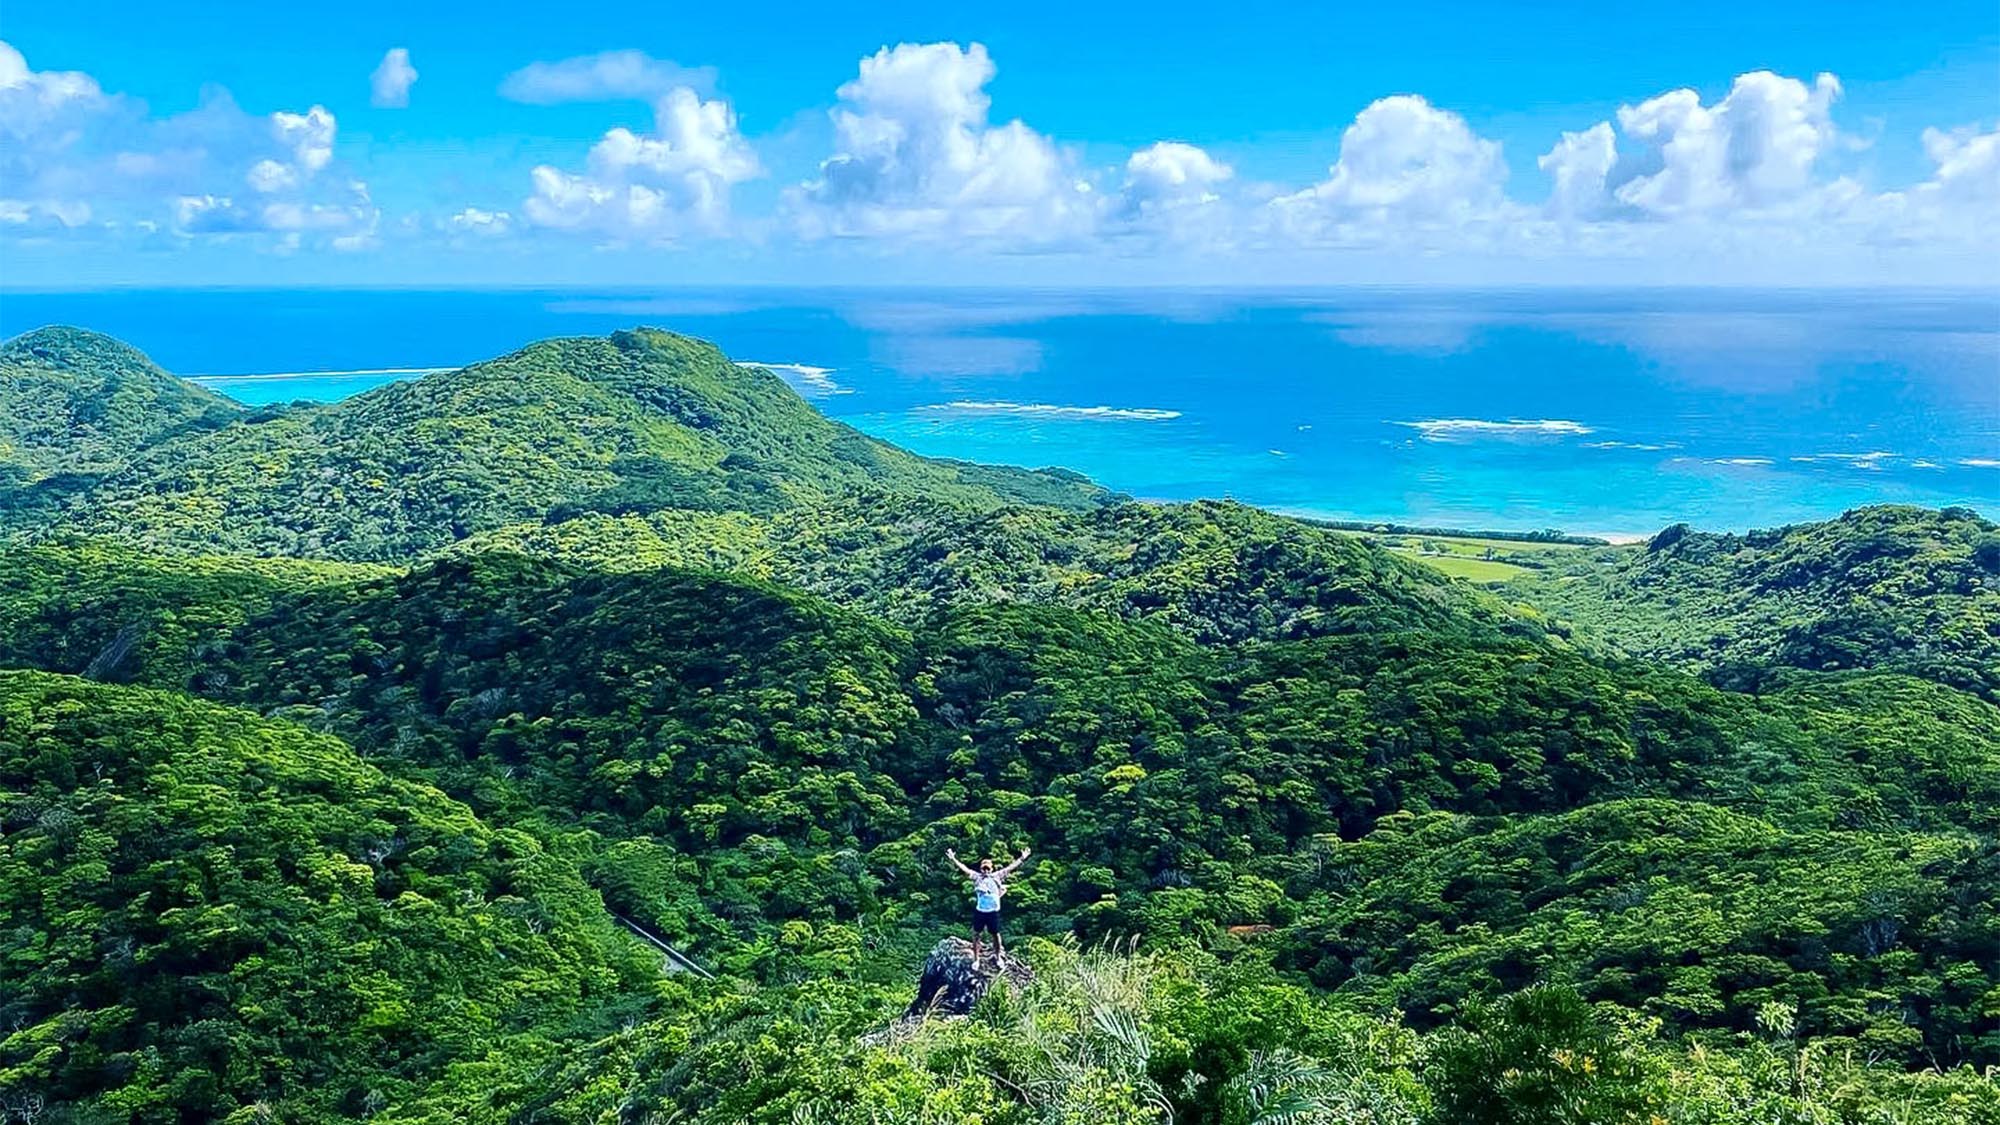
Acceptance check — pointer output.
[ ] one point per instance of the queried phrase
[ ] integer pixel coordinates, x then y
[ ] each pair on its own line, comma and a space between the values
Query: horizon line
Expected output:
1990, 289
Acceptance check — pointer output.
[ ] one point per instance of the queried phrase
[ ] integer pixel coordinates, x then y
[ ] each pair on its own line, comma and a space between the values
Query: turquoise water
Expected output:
1589, 411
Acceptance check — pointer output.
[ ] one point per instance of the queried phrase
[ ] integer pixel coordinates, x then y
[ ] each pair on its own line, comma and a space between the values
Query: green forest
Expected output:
342, 747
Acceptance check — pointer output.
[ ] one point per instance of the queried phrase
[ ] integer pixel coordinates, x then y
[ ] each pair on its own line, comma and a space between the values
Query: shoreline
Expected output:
1527, 537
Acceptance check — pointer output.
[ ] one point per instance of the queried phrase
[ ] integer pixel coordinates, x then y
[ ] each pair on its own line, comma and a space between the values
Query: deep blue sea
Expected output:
1602, 412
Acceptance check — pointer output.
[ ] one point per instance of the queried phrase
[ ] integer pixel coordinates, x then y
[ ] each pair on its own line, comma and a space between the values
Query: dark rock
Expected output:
952, 984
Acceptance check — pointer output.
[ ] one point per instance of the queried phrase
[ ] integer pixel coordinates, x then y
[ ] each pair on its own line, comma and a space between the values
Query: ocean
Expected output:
1611, 413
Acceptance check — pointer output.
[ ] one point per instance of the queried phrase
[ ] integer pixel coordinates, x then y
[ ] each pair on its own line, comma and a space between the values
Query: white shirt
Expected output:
986, 892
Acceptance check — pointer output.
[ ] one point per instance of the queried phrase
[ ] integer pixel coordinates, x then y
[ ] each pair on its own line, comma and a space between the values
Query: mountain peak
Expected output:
640, 421
77, 401
66, 347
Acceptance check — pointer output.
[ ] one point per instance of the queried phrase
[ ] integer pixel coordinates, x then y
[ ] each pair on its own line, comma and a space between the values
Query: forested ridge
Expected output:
1886, 587
318, 796
640, 421
73, 403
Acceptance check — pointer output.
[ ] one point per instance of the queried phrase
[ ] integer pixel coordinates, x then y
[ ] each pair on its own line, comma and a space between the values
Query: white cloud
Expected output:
222, 214
473, 220
1968, 166
389, 86
1745, 186
607, 76
1744, 180
1959, 203
30, 100
1579, 164
47, 213
307, 140
653, 188
210, 214
1753, 150
309, 135
915, 156
78, 158
1172, 173
42, 117
296, 216
1169, 179
270, 176
1404, 164
1172, 194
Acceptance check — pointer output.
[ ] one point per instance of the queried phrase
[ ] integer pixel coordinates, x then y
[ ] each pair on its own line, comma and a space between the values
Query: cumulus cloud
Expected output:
389, 86
346, 225
77, 157
41, 116
304, 146
1749, 178
1959, 203
916, 156
1578, 166
651, 188
1172, 174
473, 220
606, 76
1170, 177
1404, 164
1968, 165
1754, 149
1745, 178
31, 100
1173, 193
1750, 154
307, 136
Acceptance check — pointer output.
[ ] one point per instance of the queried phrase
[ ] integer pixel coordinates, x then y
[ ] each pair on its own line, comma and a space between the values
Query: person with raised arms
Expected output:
988, 887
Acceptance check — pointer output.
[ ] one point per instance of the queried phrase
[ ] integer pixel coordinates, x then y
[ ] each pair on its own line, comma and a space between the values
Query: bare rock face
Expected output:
952, 984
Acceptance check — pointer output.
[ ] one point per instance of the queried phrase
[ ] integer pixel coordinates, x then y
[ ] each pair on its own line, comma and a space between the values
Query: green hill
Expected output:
1691, 912
1215, 571
770, 733
76, 402
376, 707
208, 912
641, 421
98, 609
1896, 588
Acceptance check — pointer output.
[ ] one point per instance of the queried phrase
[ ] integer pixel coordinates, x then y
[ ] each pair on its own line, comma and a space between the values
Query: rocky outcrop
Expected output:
952, 983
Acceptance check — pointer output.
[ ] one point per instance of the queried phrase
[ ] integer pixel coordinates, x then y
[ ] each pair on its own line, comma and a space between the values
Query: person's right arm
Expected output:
952, 855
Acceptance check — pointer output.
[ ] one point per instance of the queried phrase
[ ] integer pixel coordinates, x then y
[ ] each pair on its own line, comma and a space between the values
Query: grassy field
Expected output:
1470, 569
1472, 558
1469, 546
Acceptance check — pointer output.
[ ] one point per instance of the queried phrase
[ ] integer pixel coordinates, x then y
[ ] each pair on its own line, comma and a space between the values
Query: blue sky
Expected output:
1032, 143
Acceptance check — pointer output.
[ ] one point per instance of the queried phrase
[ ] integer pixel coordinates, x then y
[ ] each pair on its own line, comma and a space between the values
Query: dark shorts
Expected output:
986, 921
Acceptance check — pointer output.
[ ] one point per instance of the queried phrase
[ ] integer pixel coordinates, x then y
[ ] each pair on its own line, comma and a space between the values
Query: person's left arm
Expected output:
1009, 869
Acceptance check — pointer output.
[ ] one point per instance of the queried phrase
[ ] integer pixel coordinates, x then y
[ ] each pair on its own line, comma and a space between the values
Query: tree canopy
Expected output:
343, 747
